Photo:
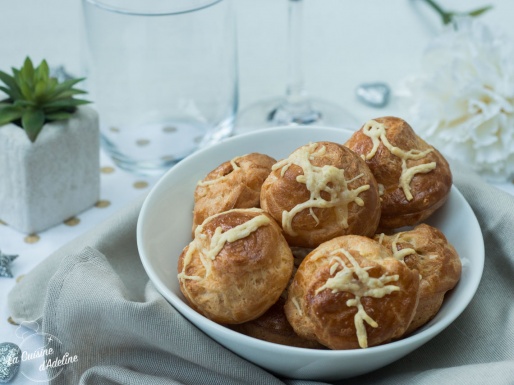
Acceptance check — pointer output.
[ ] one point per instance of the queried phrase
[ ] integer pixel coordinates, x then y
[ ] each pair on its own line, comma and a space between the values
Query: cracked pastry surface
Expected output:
233, 184
413, 177
322, 190
426, 250
236, 267
351, 292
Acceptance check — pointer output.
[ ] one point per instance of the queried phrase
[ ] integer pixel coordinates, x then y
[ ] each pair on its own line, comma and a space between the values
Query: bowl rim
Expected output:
418, 337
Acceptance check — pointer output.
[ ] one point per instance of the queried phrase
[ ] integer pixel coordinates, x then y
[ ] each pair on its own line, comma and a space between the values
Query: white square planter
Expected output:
56, 177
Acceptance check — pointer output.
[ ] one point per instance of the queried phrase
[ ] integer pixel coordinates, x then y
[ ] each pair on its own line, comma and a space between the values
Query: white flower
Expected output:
463, 101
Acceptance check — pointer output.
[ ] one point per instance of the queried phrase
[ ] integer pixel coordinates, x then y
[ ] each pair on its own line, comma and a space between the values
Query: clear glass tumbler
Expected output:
162, 75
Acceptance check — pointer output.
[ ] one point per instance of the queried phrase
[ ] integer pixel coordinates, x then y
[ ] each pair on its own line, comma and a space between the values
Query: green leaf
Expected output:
69, 83
32, 120
69, 93
64, 86
7, 79
52, 110
59, 115
27, 72
7, 91
43, 72
39, 90
24, 103
9, 113
17, 76
10, 82
25, 89
479, 11
65, 103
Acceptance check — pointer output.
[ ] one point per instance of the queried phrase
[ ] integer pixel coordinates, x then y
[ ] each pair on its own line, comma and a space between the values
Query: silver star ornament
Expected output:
5, 260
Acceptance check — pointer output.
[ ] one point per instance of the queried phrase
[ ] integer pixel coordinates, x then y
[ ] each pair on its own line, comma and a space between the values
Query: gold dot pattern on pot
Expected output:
103, 203
140, 184
169, 129
32, 238
107, 170
142, 142
114, 129
35, 239
73, 221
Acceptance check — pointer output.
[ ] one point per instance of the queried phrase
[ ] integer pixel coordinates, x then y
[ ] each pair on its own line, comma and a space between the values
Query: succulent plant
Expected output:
35, 98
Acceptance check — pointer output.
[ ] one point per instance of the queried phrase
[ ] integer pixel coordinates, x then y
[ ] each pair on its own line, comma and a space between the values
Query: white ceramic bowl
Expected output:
164, 228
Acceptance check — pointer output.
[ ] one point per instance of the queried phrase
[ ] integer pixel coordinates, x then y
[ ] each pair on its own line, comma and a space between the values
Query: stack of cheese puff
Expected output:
304, 252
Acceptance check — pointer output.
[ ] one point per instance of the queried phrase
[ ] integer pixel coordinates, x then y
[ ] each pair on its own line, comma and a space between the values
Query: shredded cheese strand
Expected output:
235, 167
218, 241
362, 286
317, 180
377, 132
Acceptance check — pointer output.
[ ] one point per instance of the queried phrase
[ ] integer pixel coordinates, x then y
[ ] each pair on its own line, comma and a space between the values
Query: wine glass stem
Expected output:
295, 92
296, 108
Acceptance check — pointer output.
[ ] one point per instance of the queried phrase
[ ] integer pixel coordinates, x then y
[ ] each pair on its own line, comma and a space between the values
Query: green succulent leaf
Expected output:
32, 121
72, 92
43, 72
26, 90
7, 91
34, 97
65, 103
12, 88
24, 103
67, 84
8, 113
59, 116
39, 89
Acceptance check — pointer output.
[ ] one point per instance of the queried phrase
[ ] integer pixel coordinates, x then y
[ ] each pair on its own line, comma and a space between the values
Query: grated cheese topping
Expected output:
235, 167
327, 179
400, 254
218, 241
377, 132
355, 279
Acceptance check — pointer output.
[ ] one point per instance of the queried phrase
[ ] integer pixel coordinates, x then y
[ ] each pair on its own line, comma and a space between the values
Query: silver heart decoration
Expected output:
373, 94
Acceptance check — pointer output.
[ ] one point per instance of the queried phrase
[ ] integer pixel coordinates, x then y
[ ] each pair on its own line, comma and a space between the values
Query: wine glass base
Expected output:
270, 113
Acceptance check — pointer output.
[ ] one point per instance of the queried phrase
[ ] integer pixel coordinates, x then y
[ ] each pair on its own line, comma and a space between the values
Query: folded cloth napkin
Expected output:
95, 297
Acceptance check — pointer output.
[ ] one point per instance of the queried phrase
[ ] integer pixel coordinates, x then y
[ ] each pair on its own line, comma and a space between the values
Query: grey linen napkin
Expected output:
94, 295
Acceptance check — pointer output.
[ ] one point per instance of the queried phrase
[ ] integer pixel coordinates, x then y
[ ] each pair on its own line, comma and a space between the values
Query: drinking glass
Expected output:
296, 107
162, 75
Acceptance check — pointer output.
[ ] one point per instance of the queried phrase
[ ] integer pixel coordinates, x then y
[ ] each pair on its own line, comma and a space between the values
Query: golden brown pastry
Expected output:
236, 267
322, 190
351, 292
413, 177
426, 250
273, 326
234, 184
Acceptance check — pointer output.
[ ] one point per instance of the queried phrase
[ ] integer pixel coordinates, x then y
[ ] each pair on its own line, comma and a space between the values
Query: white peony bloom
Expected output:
463, 101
